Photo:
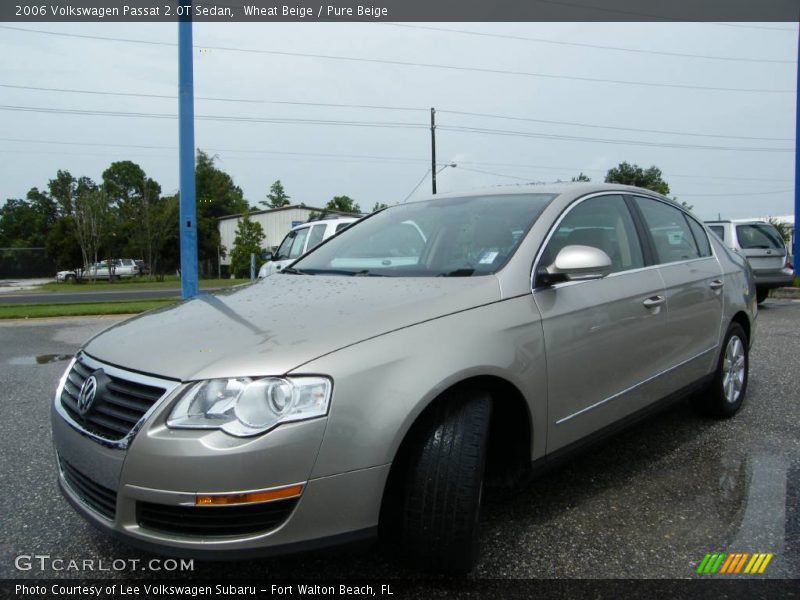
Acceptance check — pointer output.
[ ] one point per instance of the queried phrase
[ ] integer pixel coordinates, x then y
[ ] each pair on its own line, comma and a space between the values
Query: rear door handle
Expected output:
716, 284
654, 301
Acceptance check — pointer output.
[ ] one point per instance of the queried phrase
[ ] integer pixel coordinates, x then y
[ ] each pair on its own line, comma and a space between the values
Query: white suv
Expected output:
301, 239
764, 248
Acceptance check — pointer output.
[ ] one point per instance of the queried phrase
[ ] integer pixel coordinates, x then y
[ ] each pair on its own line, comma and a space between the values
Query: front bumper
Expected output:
113, 486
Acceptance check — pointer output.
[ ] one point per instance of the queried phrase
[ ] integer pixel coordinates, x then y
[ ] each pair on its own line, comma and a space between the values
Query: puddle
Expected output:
42, 359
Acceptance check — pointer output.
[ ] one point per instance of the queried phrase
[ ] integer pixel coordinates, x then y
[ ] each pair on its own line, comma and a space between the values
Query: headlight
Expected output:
245, 406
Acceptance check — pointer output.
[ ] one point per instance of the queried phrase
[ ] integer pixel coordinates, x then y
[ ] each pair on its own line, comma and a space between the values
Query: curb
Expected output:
786, 292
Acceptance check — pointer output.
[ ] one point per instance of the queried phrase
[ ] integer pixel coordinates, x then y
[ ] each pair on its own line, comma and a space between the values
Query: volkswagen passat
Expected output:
360, 391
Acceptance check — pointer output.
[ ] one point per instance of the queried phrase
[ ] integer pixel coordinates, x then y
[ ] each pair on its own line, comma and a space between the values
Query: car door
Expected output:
693, 283
602, 337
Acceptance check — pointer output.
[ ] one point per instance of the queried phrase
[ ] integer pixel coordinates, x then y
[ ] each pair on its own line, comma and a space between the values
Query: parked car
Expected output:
66, 276
301, 239
334, 401
762, 245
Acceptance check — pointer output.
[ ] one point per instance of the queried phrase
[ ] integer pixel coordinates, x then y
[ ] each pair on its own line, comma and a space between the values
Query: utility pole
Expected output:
188, 194
433, 150
797, 165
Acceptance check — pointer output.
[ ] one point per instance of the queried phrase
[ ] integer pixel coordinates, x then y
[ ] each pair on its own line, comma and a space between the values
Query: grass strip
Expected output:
80, 309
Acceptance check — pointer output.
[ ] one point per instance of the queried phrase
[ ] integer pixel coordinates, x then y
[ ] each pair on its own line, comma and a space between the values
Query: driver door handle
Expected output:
716, 284
654, 301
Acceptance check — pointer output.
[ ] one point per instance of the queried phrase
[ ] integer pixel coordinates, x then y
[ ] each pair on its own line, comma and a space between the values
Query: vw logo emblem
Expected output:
87, 395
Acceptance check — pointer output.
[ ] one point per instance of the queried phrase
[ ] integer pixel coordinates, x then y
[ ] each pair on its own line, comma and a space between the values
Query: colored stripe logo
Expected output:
734, 563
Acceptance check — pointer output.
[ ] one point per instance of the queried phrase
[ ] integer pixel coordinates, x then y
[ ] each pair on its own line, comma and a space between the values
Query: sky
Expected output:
719, 123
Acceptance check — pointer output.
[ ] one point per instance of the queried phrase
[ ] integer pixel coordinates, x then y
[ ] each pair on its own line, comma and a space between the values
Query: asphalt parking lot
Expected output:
649, 503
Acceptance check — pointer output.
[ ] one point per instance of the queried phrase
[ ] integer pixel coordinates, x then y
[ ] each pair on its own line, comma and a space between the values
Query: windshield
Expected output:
758, 235
458, 237
292, 244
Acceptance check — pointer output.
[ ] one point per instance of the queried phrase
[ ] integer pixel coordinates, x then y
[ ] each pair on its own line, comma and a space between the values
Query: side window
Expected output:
672, 237
700, 236
298, 243
605, 223
315, 237
341, 226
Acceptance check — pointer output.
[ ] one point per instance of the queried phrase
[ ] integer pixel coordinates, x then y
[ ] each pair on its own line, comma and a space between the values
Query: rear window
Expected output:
718, 230
758, 235
671, 235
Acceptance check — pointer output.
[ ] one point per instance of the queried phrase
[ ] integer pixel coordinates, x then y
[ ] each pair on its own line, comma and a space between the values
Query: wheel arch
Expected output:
509, 447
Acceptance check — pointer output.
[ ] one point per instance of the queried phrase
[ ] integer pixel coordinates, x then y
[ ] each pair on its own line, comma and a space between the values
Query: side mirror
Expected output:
266, 256
576, 263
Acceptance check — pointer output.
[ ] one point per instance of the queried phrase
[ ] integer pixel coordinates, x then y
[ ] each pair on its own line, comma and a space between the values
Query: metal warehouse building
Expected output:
276, 223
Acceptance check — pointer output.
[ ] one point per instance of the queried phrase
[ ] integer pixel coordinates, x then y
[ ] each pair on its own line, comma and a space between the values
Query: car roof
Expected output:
333, 221
566, 189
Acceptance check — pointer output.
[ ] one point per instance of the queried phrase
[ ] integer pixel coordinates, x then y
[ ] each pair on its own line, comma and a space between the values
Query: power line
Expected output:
384, 124
402, 63
572, 138
214, 99
396, 108
223, 118
374, 157
616, 128
592, 46
528, 179
745, 194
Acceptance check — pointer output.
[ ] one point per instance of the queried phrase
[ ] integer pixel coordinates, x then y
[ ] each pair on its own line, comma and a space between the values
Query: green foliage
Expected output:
629, 174
62, 246
782, 228
343, 204
248, 240
277, 196
581, 177
217, 196
24, 223
378, 206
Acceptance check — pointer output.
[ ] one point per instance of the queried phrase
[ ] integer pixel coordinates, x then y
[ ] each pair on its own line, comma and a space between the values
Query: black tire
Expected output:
717, 400
444, 484
762, 294
69, 278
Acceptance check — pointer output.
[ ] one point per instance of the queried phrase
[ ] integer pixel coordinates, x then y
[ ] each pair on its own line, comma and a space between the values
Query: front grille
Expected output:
115, 410
96, 496
214, 521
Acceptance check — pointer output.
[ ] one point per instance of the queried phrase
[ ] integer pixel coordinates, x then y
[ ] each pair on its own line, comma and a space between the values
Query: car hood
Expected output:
279, 323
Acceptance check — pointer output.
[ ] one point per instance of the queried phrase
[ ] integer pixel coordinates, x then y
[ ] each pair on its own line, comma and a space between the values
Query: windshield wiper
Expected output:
367, 273
458, 273
293, 271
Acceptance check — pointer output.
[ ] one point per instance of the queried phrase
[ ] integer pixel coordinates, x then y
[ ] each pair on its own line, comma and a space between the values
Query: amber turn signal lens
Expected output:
291, 491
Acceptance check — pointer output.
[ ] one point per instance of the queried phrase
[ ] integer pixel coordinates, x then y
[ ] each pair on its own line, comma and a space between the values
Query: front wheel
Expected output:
444, 484
725, 396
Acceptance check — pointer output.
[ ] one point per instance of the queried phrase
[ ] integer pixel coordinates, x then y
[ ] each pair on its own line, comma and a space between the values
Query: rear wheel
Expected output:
762, 294
725, 396
444, 484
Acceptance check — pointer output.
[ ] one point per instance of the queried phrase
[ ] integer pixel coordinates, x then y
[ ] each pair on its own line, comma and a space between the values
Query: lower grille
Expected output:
96, 496
216, 521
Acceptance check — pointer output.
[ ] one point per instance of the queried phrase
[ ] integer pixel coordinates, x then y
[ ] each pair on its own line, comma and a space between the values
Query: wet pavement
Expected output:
648, 503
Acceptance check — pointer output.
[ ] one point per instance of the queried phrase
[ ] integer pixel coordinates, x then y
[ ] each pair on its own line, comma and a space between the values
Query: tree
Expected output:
91, 215
61, 244
581, 177
343, 204
628, 174
146, 217
25, 223
277, 196
217, 196
782, 228
249, 236
378, 206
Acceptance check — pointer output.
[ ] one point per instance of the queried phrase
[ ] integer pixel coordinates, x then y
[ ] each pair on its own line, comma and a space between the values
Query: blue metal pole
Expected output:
188, 196
797, 164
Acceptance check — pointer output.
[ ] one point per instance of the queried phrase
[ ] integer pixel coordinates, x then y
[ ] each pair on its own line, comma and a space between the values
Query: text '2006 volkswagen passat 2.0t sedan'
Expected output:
378, 381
